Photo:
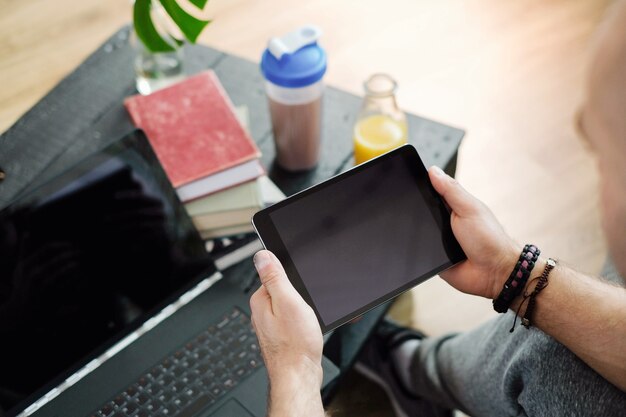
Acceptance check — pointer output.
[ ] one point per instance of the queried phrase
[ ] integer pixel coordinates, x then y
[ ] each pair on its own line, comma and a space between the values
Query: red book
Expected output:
194, 132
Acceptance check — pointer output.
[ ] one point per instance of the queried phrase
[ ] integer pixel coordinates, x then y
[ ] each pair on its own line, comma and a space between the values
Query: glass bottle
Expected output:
381, 126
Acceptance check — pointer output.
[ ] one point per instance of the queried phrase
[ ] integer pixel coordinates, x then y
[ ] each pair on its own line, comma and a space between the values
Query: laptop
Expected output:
111, 306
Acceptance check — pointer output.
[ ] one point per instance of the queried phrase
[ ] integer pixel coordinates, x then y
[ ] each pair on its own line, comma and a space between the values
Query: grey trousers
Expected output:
491, 372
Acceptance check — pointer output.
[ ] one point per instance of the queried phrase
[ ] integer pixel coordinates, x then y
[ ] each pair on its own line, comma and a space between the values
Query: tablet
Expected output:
362, 237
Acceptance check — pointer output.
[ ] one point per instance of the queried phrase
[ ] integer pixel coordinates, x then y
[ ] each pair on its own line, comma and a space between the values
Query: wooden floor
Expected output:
510, 73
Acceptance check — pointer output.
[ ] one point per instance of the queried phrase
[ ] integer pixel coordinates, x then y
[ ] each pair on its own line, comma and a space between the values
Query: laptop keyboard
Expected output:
194, 376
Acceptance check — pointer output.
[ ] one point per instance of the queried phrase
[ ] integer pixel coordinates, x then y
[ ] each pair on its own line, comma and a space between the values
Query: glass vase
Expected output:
156, 70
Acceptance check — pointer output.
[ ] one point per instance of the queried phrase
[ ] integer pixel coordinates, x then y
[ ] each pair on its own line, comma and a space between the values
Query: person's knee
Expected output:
548, 379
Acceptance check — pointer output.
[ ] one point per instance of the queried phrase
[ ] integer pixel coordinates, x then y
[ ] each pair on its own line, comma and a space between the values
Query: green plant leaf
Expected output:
189, 25
199, 3
145, 29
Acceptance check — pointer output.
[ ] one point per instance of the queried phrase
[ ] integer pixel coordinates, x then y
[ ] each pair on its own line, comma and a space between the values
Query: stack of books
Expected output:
207, 153
228, 212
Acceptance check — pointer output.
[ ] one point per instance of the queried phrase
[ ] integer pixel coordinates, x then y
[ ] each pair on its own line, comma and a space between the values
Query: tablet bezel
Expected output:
272, 241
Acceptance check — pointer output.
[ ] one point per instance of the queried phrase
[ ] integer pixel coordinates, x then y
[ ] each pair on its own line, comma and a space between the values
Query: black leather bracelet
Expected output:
515, 284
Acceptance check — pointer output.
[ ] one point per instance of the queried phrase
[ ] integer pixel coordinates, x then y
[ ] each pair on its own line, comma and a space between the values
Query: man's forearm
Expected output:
295, 393
587, 315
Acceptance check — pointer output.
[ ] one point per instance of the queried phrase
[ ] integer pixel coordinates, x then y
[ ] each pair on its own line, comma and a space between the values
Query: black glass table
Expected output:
84, 112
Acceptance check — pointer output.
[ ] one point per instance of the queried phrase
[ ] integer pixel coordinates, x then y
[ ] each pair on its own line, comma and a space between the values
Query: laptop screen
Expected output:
85, 259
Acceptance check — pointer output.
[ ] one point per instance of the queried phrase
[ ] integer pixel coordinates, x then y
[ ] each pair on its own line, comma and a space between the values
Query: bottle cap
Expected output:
295, 59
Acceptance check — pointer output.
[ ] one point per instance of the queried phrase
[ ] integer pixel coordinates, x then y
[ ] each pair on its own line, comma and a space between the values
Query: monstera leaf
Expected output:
190, 26
199, 3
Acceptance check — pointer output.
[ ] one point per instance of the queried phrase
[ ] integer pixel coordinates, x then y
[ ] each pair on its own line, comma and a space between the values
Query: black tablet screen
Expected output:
367, 235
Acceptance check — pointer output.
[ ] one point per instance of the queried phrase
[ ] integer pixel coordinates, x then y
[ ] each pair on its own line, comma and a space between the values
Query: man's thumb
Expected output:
459, 200
272, 274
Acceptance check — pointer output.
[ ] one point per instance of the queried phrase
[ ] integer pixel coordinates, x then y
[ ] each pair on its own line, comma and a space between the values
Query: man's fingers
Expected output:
273, 276
459, 200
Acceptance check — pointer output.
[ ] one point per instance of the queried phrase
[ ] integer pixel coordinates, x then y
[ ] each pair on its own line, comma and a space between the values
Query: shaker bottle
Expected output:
293, 66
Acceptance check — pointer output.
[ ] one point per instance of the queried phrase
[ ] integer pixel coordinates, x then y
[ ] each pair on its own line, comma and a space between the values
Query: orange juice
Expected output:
377, 134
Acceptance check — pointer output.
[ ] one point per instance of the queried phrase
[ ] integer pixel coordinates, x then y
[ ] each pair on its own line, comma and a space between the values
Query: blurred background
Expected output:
509, 73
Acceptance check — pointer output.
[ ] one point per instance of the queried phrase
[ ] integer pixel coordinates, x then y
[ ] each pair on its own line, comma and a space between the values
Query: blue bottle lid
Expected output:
294, 60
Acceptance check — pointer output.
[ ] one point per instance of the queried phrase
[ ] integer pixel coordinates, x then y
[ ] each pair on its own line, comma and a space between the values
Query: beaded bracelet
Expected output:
514, 285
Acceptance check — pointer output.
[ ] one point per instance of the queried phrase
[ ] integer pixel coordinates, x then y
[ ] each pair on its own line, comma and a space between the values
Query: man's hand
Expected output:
491, 253
291, 341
